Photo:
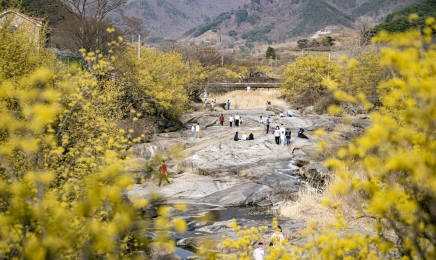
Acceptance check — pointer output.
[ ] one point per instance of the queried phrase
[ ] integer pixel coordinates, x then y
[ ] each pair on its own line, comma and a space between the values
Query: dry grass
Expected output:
310, 208
344, 127
254, 99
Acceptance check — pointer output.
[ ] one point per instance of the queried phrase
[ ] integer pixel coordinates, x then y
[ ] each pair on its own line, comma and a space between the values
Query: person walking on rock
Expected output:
267, 125
282, 135
163, 171
231, 120
197, 131
237, 120
193, 131
277, 135
288, 136
221, 120
228, 104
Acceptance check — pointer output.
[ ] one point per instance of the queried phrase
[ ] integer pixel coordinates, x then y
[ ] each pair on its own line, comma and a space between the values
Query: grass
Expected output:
254, 99
309, 206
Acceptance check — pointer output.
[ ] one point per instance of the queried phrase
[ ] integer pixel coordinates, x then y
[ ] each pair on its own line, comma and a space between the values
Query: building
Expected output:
19, 21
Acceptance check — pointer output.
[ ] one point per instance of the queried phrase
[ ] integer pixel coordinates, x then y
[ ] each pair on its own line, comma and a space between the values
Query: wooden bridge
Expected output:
243, 83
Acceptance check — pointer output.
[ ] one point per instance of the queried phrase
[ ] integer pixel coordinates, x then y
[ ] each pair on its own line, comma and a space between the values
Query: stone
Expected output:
315, 172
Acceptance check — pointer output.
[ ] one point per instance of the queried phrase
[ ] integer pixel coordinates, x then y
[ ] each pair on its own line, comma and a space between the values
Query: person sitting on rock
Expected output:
236, 138
281, 114
251, 137
301, 135
244, 136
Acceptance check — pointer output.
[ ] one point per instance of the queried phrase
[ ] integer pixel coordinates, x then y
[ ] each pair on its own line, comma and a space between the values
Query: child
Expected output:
261, 120
258, 252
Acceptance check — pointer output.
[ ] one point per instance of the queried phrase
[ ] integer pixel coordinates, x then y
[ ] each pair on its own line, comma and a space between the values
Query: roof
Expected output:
36, 21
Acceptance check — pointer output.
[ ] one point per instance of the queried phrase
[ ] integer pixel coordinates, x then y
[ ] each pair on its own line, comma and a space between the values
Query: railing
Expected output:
244, 85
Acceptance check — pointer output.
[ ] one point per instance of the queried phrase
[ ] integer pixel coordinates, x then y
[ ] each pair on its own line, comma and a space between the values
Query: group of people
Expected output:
286, 114
244, 137
195, 130
237, 119
277, 240
282, 135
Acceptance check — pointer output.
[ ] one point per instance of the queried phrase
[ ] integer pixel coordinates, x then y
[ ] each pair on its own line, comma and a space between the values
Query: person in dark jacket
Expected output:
301, 135
267, 125
236, 138
251, 137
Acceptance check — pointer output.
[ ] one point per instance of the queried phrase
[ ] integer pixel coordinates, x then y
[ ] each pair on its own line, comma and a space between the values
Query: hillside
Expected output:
171, 18
254, 20
399, 20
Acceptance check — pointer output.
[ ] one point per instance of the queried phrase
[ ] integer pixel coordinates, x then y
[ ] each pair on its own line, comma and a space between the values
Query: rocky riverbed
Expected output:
216, 170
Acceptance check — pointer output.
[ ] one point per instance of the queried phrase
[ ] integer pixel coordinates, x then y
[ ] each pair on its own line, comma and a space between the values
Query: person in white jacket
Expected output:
197, 131
282, 135
277, 135
258, 253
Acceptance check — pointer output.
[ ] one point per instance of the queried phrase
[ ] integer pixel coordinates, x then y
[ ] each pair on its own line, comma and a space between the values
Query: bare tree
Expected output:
128, 25
97, 9
88, 33
364, 24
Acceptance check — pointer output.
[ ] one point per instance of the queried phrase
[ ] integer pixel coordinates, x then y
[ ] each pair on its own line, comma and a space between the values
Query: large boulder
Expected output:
315, 172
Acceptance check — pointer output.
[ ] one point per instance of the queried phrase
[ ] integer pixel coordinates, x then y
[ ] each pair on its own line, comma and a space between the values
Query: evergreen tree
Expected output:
270, 53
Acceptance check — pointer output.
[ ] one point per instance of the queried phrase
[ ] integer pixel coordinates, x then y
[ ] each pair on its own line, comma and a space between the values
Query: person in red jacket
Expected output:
221, 120
163, 171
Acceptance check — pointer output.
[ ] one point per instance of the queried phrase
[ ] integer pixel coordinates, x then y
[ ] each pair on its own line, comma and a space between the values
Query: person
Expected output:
236, 138
261, 120
193, 130
277, 237
240, 120
244, 136
289, 113
237, 120
251, 137
197, 131
277, 135
282, 135
258, 253
248, 88
267, 125
221, 119
301, 135
288, 136
281, 114
163, 173
267, 103
212, 105
228, 104
231, 120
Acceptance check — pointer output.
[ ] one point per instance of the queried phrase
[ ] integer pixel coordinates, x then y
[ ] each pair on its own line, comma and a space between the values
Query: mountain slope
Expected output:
171, 18
254, 20
399, 20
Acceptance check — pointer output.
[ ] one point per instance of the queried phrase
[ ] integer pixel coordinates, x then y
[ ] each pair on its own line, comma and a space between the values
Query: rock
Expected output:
308, 111
353, 110
315, 172
162, 122
360, 123
170, 135
302, 161
157, 251
275, 109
